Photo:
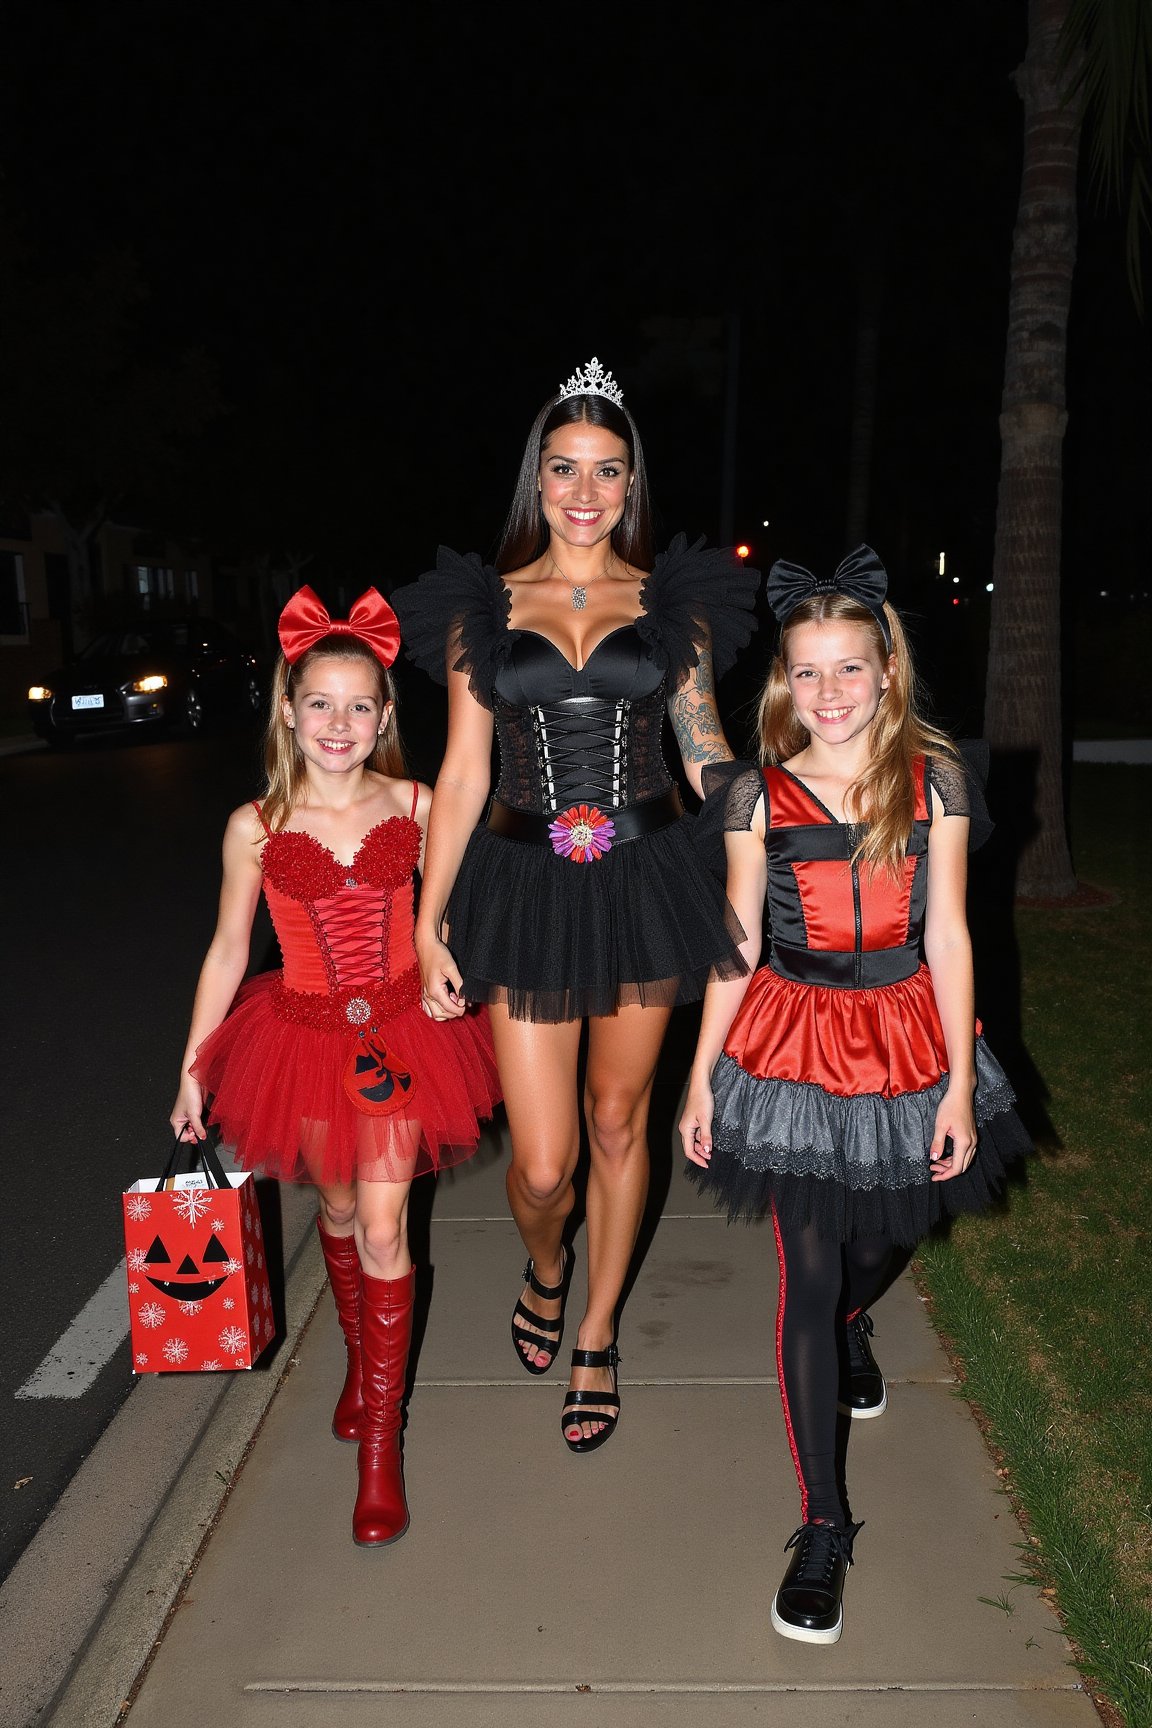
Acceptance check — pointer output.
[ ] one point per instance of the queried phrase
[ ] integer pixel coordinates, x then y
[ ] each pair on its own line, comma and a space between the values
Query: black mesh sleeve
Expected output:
958, 782
731, 792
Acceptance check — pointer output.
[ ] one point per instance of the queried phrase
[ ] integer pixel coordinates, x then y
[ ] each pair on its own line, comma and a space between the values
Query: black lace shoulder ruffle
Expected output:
462, 602
959, 784
696, 595
731, 793
693, 596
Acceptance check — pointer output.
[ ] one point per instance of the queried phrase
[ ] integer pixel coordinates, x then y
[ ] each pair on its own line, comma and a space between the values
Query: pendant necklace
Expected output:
579, 589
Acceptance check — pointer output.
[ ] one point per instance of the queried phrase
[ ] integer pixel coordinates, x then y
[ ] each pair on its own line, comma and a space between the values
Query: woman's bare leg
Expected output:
623, 1050
538, 1073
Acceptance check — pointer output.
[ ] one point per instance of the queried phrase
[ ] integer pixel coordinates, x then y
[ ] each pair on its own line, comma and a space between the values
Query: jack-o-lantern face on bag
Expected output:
188, 1282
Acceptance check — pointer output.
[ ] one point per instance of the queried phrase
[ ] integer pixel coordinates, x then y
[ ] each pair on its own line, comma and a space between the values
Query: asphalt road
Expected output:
111, 872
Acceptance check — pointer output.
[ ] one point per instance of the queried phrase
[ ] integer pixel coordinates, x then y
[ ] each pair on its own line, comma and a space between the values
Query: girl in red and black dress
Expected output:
331, 1071
844, 1086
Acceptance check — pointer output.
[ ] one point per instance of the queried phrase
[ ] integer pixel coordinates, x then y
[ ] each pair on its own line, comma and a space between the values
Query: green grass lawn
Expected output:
1048, 1304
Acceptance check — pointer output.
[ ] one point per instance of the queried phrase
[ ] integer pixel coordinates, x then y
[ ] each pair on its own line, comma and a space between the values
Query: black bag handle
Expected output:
199, 1151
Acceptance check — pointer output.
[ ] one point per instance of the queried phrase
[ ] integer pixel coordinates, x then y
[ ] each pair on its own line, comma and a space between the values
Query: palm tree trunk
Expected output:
1022, 714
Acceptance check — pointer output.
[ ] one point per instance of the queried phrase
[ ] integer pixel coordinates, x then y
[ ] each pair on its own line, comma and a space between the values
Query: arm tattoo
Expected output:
705, 672
696, 723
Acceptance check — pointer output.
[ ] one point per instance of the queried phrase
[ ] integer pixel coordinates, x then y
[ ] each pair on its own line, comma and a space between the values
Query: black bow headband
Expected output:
861, 577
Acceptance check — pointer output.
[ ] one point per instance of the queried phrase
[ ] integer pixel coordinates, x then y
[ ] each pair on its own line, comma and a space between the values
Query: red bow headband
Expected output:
305, 621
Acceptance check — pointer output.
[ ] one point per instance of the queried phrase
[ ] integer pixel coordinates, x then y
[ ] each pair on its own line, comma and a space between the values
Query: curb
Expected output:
108, 1663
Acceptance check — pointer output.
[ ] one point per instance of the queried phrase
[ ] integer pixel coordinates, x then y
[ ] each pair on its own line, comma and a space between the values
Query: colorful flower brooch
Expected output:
582, 833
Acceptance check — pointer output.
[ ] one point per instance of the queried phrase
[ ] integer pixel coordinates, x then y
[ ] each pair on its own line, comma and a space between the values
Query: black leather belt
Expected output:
629, 822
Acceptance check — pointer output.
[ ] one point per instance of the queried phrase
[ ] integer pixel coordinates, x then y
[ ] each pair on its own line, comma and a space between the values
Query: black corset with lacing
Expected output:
584, 750
571, 735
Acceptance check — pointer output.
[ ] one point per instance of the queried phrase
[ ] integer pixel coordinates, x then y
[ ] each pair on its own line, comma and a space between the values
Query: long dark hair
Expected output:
525, 534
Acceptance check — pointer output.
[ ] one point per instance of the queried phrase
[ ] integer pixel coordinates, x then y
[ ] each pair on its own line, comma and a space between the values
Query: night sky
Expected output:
387, 234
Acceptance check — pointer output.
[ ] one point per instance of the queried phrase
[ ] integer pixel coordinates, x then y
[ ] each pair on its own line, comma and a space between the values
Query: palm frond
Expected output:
1106, 55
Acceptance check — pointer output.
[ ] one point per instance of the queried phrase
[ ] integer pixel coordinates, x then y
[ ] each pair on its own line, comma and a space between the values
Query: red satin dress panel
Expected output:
885, 1040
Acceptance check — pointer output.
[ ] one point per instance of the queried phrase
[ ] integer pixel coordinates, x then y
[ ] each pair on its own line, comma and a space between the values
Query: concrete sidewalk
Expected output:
628, 1588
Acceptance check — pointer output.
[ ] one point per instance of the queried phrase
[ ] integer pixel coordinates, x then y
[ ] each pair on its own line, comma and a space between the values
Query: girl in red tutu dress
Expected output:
844, 1086
331, 1071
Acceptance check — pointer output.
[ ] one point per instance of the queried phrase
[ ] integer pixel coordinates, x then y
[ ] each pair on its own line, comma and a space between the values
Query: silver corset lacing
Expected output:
582, 751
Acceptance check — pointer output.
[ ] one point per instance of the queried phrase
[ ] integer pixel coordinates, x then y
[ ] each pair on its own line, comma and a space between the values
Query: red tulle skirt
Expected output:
278, 1093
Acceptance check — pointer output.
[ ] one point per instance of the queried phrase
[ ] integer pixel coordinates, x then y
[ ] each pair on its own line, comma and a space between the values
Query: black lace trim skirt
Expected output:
855, 1165
557, 940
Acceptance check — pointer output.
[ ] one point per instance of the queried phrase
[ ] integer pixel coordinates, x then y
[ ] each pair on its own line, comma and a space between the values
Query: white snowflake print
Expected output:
141, 1358
138, 1207
212, 1366
231, 1339
229, 1303
233, 1266
191, 1308
137, 1259
249, 1253
217, 1225
175, 1350
266, 1298
247, 1219
151, 1314
260, 1262
254, 1295
133, 1288
192, 1204
241, 1362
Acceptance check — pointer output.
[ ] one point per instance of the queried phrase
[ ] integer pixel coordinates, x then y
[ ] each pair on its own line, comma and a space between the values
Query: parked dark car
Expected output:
184, 673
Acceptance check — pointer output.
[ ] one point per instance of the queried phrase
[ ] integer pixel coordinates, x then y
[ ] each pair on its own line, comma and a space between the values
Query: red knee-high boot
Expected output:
381, 1513
343, 1263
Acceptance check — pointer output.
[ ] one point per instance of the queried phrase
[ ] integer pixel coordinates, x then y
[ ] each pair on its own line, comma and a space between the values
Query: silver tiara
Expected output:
592, 380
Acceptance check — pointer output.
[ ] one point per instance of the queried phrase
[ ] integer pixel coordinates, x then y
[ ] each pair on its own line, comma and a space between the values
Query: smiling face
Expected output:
584, 483
835, 678
337, 712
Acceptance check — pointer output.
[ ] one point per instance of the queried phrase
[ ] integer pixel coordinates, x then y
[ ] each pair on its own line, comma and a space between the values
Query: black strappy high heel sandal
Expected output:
581, 1406
544, 1334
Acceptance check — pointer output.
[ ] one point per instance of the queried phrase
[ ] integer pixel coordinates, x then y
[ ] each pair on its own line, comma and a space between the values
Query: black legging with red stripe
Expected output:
822, 1283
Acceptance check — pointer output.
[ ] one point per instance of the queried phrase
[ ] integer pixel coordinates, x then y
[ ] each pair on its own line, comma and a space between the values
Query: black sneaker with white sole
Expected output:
867, 1394
808, 1605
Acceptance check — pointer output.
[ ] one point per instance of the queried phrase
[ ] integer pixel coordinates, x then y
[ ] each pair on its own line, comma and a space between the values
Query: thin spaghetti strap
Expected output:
415, 800
260, 813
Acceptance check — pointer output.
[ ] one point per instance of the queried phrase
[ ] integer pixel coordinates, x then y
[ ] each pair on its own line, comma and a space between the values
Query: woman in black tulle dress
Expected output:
578, 897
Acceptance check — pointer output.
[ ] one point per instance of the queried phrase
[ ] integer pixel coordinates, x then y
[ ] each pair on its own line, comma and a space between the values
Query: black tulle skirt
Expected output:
555, 940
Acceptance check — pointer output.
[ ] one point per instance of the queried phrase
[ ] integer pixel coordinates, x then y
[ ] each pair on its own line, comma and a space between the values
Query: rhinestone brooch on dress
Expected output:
358, 1011
592, 380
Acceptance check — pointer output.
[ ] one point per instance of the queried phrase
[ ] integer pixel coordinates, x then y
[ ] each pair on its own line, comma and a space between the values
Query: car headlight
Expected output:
39, 693
154, 681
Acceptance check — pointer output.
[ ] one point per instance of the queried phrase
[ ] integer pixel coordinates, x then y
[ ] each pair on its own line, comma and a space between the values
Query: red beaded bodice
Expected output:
345, 931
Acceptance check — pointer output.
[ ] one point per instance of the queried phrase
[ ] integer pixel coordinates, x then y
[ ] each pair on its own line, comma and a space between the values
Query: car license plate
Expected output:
87, 701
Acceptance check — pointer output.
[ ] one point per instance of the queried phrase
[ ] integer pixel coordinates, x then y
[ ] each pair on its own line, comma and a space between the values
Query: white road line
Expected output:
78, 1355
